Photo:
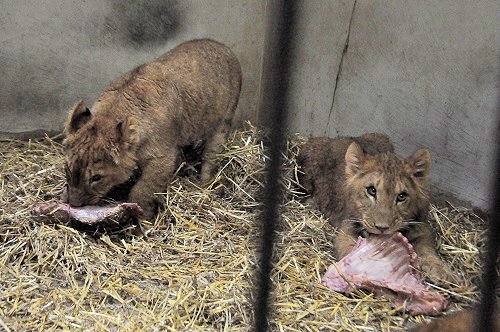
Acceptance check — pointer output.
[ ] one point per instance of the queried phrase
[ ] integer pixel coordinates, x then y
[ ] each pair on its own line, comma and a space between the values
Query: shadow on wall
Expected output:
141, 22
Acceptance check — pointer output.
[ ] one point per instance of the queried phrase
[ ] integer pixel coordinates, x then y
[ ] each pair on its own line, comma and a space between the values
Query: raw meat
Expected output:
87, 214
385, 264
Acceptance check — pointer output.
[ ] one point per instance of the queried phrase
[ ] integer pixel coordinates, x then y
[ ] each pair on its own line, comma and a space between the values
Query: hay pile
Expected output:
192, 268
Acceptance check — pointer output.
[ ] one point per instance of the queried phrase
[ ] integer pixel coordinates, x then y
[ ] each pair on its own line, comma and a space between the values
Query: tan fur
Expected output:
341, 173
462, 321
144, 117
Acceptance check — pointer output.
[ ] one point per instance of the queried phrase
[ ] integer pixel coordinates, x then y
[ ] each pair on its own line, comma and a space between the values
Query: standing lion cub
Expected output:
142, 119
363, 187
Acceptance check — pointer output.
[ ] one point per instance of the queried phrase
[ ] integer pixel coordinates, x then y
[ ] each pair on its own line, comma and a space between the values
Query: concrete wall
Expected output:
423, 72
53, 52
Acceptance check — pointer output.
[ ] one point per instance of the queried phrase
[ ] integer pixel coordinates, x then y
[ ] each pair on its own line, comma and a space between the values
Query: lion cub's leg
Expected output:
344, 241
214, 145
155, 176
424, 245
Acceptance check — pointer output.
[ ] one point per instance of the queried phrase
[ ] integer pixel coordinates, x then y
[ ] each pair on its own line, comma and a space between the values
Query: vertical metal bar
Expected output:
280, 47
490, 277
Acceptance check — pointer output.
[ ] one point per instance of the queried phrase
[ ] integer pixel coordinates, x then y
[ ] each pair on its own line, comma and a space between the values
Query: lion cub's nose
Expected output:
75, 202
382, 229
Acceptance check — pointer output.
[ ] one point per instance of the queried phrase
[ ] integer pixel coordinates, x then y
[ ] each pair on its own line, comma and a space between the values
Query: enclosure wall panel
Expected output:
423, 72
53, 52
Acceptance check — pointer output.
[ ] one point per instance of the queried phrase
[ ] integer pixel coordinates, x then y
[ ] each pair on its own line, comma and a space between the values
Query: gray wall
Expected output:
423, 72
53, 52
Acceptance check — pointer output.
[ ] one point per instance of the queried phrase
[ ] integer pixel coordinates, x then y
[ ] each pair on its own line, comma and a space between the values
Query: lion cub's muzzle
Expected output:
381, 228
77, 198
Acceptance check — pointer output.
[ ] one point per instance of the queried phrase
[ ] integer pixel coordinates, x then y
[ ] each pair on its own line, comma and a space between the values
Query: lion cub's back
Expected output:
200, 70
206, 70
187, 92
202, 61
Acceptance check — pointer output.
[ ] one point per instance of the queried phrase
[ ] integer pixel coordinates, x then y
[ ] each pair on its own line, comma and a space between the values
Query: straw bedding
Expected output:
193, 267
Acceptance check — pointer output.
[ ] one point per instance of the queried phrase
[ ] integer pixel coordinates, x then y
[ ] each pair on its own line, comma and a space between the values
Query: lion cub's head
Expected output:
389, 192
100, 154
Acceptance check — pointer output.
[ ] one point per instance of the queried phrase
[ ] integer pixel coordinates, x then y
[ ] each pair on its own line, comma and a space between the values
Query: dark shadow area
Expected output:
144, 22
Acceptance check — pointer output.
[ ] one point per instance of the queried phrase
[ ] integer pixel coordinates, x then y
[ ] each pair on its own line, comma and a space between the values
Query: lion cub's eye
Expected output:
371, 191
401, 196
95, 178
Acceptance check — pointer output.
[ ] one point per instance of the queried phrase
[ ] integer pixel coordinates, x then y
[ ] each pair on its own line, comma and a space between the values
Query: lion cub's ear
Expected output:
353, 159
127, 137
420, 163
128, 132
79, 115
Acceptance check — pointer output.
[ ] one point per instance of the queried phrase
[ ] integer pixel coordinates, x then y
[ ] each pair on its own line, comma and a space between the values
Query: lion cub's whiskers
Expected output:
109, 200
354, 220
412, 222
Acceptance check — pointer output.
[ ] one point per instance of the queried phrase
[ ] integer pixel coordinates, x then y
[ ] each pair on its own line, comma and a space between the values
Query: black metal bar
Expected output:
280, 45
490, 277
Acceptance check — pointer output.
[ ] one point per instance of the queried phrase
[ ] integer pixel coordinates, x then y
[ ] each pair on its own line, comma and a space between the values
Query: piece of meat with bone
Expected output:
385, 264
89, 214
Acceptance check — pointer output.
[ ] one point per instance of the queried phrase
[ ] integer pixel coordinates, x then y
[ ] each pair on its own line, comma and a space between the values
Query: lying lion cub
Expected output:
139, 123
363, 188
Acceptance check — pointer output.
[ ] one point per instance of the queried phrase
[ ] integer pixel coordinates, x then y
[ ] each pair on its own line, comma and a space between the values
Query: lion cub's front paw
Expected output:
438, 271
148, 208
343, 245
148, 214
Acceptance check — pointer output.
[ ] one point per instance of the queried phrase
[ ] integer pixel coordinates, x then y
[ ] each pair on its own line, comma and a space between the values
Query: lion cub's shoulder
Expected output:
323, 157
325, 150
